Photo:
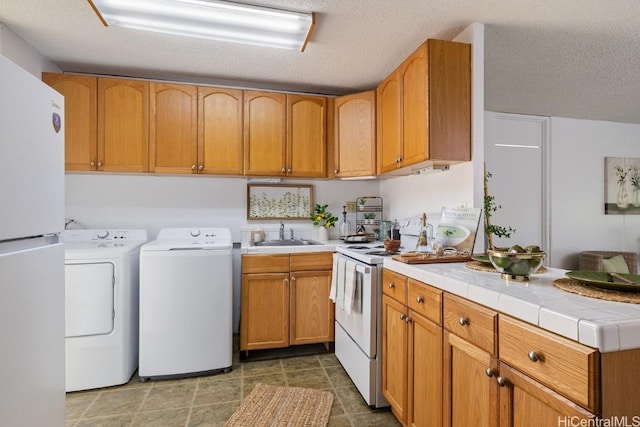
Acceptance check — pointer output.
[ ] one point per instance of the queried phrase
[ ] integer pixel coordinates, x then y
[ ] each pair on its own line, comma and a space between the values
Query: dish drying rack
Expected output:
368, 216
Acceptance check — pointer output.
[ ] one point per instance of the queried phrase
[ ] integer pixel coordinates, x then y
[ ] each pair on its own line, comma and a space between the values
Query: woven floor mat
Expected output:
268, 406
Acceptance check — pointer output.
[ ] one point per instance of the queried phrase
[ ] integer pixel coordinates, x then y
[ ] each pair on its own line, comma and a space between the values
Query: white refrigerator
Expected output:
32, 380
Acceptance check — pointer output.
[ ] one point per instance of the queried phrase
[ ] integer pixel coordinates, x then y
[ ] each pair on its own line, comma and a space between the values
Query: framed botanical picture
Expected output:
279, 201
621, 185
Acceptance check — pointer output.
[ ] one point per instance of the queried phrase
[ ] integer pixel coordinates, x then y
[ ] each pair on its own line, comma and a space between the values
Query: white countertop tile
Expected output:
606, 325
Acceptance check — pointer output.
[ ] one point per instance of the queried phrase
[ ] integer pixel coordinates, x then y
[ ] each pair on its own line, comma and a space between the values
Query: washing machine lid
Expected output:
102, 243
193, 238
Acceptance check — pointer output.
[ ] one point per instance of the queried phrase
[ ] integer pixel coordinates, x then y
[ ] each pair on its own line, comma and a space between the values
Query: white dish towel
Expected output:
337, 279
349, 285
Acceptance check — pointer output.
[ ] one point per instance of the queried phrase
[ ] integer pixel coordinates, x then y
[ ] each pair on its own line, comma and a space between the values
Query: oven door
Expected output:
360, 324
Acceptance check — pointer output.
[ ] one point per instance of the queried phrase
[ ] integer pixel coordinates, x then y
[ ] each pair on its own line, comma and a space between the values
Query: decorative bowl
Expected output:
391, 245
516, 266
451, 235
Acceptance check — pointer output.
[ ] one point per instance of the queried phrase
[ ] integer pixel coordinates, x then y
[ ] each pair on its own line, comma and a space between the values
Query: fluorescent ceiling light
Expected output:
211, 19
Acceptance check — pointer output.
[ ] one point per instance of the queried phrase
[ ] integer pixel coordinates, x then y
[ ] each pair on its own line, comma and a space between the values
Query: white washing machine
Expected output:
186, 303
101, 306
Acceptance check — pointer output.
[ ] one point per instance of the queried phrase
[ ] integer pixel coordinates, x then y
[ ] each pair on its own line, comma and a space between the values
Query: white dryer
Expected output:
101, 306
186, 303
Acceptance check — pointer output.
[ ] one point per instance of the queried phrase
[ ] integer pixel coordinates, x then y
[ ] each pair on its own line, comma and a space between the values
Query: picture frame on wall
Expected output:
279, 201
622, 186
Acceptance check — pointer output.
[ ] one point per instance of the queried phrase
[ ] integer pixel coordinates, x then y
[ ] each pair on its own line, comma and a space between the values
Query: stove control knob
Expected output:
102, 234
195, 233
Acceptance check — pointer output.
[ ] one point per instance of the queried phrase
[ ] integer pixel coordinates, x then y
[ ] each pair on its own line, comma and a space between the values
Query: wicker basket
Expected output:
391, 245
592, 260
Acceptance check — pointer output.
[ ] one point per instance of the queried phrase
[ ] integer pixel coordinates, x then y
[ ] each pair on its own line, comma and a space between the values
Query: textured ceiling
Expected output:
568, 58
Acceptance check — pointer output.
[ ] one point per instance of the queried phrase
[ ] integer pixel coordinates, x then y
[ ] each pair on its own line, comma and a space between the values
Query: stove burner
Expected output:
358, 247
380, 253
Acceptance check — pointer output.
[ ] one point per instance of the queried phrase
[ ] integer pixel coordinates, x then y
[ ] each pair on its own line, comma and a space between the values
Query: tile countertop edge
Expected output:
589, 321
329, 246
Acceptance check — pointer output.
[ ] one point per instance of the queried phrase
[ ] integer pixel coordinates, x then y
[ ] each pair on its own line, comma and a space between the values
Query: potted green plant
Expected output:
324, 220
490, 208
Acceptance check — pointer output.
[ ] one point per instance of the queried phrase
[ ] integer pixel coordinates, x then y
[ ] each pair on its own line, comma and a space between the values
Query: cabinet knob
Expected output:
293, 279
392, 285
286, 280
200, 167
193, 167
335, 171
420, 300
93, 163
289, 170
99, 163
489, 372
533, 356
403, 316
283, 170
501, 381
463, 321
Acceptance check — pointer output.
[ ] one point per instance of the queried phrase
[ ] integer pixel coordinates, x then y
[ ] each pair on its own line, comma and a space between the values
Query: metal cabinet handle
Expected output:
286, 280
392, 285
93, 163
283, 170
463, 321
200, 167
420, 300
403, 316
99, 163
533, 356
501, 381
335, 171
193, 167
489, 372
289, 170
293, 279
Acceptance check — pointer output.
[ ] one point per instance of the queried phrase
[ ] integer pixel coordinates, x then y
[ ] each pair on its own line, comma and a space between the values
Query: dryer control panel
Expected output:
103, 235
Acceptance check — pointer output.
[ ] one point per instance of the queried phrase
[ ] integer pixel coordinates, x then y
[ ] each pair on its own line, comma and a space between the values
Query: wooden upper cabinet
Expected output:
424, 108
80, 119
173, 128
389, 118
355, 135
123, 132
306, 154
220, 130
264, 133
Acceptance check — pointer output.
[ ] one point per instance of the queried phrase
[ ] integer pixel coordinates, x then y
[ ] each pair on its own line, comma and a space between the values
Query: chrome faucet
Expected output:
281, 231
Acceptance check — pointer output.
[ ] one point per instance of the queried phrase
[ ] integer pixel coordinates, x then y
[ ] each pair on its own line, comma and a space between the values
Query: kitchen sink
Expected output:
287, 242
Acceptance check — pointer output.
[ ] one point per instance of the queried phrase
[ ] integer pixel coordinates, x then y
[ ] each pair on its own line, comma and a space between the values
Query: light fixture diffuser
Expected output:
211, 19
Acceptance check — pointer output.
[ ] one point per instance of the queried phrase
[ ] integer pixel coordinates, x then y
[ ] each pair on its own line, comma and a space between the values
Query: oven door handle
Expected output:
363, 269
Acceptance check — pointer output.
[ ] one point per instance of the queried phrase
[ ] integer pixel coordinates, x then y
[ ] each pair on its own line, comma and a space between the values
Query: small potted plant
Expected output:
324, 220
370, 218
361, 202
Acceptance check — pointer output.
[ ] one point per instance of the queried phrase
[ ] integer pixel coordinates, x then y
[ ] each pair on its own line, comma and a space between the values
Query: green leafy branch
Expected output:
490, 207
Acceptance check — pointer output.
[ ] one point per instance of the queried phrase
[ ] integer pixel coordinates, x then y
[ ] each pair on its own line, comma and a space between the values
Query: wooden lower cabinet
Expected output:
470, 388
412, 358
526, 402
285, 300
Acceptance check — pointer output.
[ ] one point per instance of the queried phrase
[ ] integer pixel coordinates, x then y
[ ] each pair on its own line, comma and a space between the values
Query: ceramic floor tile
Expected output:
178, 395
217, 391
126, 401
328, 359
377, 418
250, 382
262, 367
338, 376
339, 421
164, 418
309, 378
77, 403
298, 363
351, 400
212, 415
112, 421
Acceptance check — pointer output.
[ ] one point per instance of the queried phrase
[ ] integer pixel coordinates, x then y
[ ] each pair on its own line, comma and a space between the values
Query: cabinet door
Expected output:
123, 126
470, 394
389, 122
415, 109
306, 136
394, 356
80, 119
355, 135
449, 100
425, 372
312, 312
173, 128
264, 318
524, 402
264, 133
220, 130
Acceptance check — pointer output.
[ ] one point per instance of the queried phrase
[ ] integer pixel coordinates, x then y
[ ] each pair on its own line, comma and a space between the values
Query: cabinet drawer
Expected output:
394, 285
425, 300
565, 366
312, 261
265, 263
472, 322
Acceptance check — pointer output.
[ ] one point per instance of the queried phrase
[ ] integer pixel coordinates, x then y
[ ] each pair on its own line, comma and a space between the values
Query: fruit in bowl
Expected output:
517, 262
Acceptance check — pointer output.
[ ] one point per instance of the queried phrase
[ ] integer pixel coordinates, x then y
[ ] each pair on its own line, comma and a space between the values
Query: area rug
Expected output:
273, 406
